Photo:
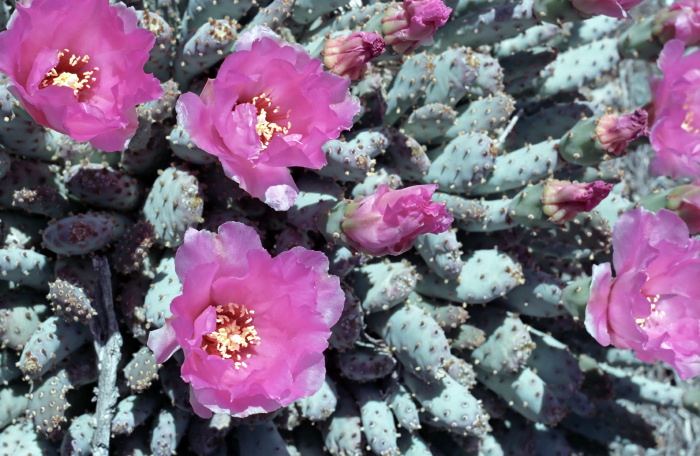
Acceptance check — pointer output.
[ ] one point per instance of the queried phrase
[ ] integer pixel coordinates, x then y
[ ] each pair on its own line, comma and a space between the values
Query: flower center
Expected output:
234, 334
688, 122
269, 119
69, 73
653, 316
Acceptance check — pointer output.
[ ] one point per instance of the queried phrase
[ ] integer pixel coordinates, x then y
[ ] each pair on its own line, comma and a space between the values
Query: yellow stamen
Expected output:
234, 334
687, 124
654, 314
268, 121
68, 73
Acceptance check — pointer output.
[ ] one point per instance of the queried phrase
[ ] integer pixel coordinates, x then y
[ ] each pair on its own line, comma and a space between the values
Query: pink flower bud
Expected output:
680, 21
388, 221
347, 55
409, 24
563, 200
685, 202
616, 132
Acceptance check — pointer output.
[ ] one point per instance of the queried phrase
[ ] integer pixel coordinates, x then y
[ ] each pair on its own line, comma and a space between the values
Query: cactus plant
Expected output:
471, 340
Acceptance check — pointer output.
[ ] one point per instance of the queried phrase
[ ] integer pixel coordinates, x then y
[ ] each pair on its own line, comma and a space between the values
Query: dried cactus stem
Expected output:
108, 342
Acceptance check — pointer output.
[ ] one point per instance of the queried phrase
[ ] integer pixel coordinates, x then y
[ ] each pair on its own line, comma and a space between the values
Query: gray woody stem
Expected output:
108, 343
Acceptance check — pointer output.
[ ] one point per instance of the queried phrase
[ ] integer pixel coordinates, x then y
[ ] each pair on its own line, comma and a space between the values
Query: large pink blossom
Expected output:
652, 306
271, 106
387, 222
252, 328
612, 8
680, 21
412, 23
77, 67
675, 132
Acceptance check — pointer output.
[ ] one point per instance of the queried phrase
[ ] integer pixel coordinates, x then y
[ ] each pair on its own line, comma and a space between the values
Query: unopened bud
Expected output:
347, 55
563, 200
616, 132
412, 23
388, 222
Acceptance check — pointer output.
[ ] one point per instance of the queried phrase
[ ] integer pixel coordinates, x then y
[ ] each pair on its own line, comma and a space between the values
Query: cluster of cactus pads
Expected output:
470, 343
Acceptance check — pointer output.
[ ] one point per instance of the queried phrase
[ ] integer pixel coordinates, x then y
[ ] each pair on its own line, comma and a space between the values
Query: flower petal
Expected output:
163, 342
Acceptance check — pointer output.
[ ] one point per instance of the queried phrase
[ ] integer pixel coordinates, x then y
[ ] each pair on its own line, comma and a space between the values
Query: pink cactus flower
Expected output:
563, 200
271, 106
612, 8
389, 221
685, 202
412, 23
653, 305
79, 72
252, 328
680, 21
616, 132
348, 55
675, 131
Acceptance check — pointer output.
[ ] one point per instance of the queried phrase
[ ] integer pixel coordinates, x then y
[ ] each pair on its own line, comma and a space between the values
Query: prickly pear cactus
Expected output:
470, 340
